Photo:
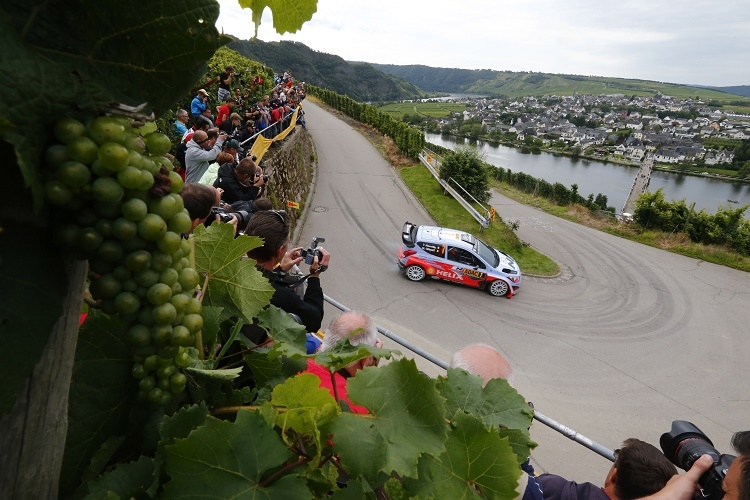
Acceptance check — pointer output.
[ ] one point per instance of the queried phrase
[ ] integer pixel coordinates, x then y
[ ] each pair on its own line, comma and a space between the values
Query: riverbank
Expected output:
717, 173
611, 178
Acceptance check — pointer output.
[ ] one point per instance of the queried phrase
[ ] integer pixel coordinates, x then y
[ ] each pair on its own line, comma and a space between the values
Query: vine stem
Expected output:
335, 390
199, 333
94, 304
281, 472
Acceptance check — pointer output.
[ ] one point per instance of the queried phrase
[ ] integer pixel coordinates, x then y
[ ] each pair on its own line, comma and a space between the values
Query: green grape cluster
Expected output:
123, 213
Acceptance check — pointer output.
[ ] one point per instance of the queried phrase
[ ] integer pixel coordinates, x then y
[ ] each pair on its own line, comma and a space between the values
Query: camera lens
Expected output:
685, 444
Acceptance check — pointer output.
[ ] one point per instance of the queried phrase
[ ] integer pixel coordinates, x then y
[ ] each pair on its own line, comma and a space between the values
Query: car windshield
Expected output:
486, 253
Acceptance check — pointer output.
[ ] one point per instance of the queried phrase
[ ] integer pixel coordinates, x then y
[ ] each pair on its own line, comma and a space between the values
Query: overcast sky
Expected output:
680, 41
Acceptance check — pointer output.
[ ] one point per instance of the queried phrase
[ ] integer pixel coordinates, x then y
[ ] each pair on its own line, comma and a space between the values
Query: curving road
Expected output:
625, 340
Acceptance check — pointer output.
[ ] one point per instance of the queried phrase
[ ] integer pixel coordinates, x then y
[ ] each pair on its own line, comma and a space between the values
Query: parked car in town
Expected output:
452, 255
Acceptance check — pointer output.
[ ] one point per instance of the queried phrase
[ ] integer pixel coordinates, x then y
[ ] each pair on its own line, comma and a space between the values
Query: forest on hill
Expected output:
360, 81
517, 84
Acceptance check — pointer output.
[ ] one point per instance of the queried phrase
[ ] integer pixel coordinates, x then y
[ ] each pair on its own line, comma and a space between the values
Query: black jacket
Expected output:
309, 310
233, 189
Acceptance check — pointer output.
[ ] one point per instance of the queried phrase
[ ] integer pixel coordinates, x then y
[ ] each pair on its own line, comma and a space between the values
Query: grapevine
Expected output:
125, 216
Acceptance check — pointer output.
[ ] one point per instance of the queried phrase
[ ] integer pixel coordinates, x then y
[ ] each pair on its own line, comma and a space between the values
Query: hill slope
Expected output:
360, 81
516, 84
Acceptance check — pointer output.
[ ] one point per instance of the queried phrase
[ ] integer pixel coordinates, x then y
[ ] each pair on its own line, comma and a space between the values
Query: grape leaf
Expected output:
102, 393
496, 404
477, 463
354, 490
288, 15
234, 283
182, 423
520, 442
407, 419
343, 353
281, 327
125, 481
268, 370
217, 374
101, 458
35, 285
51, 67
308, 406
225, 459
211, 325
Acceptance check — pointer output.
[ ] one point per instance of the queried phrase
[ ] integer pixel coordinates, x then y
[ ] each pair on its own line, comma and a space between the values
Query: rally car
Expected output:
452, 255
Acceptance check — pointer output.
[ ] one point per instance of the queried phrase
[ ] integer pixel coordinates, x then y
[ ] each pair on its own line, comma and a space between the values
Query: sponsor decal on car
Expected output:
474, 273
447, 274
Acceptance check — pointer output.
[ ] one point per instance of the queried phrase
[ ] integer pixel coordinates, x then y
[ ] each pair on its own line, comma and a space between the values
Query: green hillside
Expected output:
360, 81
517, 84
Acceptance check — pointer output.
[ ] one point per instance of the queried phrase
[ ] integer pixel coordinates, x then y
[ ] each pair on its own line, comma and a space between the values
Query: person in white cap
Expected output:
199, 103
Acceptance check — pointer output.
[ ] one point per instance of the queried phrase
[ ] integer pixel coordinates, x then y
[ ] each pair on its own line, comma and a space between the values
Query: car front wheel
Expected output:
415, 273
498, 288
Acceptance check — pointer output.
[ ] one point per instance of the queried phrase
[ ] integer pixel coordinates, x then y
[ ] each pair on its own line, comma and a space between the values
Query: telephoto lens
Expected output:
685, 444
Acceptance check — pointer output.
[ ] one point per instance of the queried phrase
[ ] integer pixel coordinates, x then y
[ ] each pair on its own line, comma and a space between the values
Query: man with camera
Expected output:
200, 201
245, 182
199, 104
201, 150
707, 476
225, 79
273, 227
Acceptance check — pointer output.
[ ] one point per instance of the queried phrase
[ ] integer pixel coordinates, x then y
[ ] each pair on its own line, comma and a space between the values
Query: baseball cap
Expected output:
233, 144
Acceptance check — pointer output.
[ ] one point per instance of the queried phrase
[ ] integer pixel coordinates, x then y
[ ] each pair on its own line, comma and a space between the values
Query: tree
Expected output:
466, 167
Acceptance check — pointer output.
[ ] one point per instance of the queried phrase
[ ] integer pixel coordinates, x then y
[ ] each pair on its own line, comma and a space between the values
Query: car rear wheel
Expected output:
415, 273
498, 288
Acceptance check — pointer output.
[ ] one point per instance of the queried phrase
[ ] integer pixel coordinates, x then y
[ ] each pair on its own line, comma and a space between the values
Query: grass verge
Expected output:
677, 243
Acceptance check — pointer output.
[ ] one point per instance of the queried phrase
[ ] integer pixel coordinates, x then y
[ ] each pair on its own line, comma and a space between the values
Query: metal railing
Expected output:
428, 158
553, 424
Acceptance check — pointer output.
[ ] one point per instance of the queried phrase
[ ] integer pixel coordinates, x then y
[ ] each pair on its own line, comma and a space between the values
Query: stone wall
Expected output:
290, 167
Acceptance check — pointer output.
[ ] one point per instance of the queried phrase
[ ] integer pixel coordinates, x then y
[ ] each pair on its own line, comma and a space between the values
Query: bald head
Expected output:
200, 136
484, 361
354, 325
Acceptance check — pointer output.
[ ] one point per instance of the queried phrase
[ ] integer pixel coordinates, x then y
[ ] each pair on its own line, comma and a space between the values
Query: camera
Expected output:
243, 217
313, 251
685, 444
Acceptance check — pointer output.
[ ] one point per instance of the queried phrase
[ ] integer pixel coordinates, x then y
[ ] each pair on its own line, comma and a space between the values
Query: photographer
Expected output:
199, 104
199, 201
232, 126
736, 484
273, 227
225, 80
245, 182
201, 150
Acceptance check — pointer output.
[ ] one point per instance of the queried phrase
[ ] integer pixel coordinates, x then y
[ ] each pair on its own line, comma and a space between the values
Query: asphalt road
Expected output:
625, 340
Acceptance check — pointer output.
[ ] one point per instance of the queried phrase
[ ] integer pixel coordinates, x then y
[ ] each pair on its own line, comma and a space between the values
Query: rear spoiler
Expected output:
409, 233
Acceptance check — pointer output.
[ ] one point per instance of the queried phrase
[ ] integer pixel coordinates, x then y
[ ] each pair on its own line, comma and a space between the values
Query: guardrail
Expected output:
430, 160
562, 429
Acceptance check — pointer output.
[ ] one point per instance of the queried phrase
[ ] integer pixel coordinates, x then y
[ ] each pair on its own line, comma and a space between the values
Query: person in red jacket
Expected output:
359, 329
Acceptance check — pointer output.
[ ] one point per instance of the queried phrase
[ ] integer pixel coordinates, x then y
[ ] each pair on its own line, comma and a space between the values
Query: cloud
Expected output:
681, 41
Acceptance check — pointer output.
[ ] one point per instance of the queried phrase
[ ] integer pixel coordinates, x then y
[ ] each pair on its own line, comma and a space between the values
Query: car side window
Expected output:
433, 249
463, 257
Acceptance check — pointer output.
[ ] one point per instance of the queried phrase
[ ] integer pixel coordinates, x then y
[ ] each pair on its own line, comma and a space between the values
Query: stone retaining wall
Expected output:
290, 167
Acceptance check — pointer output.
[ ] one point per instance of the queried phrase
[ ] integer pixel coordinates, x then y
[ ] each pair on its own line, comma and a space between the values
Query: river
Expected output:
612, 180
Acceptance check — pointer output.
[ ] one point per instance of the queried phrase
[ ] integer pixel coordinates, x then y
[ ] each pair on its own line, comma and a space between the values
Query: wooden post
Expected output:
32, 435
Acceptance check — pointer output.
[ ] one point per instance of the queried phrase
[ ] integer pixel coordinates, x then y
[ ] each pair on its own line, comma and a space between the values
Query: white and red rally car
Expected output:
452, 255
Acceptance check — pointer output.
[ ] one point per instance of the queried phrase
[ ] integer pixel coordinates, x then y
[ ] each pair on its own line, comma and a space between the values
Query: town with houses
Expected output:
674, 131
